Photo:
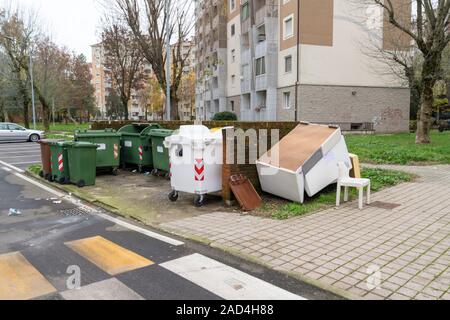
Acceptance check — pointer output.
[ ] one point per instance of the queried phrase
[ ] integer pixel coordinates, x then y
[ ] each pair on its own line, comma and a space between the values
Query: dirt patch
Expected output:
145, 198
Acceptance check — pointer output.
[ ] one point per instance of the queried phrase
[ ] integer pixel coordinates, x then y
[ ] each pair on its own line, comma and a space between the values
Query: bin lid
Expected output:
137, 128
105, 134
299, 146
161, 133
83, 145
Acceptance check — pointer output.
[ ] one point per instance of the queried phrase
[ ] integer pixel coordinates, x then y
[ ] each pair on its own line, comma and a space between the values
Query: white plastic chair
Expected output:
347, 182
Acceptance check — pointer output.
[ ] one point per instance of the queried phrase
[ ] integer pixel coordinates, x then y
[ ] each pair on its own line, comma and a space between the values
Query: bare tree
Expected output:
429, 32
123, 61
148, 21
17, 34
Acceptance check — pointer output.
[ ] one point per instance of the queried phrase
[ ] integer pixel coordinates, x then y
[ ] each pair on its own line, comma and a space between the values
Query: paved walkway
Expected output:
399, 253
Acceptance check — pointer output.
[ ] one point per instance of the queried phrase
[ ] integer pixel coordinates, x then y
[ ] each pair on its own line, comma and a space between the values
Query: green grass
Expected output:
326, 199
35, 168
400, 149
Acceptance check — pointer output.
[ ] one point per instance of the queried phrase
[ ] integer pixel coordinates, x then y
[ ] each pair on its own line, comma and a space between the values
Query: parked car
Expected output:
444, 125
14, 132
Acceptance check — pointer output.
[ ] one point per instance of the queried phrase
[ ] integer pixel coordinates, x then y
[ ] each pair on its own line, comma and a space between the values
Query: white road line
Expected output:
143, 231
225, 281
20, 152
7, 169
122, 223
11, 166
21, 163
15, 157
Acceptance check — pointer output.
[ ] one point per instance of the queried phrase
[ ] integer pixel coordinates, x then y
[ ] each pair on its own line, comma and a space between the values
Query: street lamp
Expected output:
31, 80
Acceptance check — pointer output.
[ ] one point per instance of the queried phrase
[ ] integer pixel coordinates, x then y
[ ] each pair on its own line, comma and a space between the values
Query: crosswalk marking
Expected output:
19, 280
110, 289
225, 281
108, 256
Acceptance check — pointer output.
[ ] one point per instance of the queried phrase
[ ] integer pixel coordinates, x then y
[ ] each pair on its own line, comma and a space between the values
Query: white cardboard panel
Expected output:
326, 171
282, 183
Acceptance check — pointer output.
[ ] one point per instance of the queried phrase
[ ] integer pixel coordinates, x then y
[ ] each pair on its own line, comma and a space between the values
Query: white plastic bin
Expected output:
196, 160
306, 159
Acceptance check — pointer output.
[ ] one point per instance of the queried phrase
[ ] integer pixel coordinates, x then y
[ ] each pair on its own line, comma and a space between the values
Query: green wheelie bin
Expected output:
161, 162
59, 162
82, 163
136, 145
108, 151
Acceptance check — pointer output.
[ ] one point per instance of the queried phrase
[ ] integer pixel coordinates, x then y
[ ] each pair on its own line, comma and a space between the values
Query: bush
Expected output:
225, 116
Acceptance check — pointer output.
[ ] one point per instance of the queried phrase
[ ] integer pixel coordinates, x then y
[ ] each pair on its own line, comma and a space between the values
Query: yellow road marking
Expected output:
108, 256
19, 280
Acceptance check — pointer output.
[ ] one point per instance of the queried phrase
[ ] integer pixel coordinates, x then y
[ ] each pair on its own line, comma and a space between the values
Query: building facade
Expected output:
305, 60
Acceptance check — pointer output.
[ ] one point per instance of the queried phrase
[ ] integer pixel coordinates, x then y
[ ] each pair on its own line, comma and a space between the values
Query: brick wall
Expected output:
387, 108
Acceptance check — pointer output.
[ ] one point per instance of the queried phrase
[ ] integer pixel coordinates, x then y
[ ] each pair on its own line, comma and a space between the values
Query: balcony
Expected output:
261, 82
266, 11
246, 56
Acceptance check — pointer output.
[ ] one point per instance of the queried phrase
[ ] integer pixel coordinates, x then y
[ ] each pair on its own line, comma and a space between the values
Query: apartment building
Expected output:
100, 79
307, 60
211, 56
186, 93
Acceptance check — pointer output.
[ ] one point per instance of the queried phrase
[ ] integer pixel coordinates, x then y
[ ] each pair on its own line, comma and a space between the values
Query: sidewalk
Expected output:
339, 249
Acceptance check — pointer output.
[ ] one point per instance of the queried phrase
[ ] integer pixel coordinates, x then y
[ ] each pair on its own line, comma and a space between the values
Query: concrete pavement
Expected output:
398, 248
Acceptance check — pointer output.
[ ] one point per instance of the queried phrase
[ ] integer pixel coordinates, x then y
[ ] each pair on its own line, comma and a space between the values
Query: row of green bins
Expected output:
136, 145
161, 162
108, 150
73, 162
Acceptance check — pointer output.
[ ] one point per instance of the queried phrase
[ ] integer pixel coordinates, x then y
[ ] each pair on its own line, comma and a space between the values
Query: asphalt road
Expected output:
20, 154
60, 248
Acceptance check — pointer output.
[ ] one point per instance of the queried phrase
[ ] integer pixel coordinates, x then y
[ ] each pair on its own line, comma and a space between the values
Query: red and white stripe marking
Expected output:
141, 154
199, 170
61, 163
116, 151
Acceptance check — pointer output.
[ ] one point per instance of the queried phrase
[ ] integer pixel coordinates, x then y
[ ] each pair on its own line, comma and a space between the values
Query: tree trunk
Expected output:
25, 104
174, 106
125, 107
45, 113
430, 70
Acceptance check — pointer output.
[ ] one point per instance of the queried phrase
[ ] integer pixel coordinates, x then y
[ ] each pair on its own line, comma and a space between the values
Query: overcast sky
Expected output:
72, 23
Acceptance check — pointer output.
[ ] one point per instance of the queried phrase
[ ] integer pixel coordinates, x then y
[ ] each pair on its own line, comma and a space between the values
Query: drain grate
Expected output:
73, 212
385, 205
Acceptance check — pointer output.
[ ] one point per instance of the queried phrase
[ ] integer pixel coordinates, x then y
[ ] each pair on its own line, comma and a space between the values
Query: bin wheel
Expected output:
199, 201
167, 176
62, 180
41, 174
115, 171
81, 184
140, 169
66, 180
155, 172
50, 178
173, 196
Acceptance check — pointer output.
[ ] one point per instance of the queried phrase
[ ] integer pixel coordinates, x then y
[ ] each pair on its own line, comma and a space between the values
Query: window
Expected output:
233, 55
288, 64
287, 100
260, 66
14, 127
245, 11
233, 29
233, 5
3, 127
232, 106
233, 79
288, 27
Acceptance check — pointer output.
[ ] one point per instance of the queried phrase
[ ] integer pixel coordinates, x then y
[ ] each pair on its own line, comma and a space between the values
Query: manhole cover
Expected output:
73, 212
385, 205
